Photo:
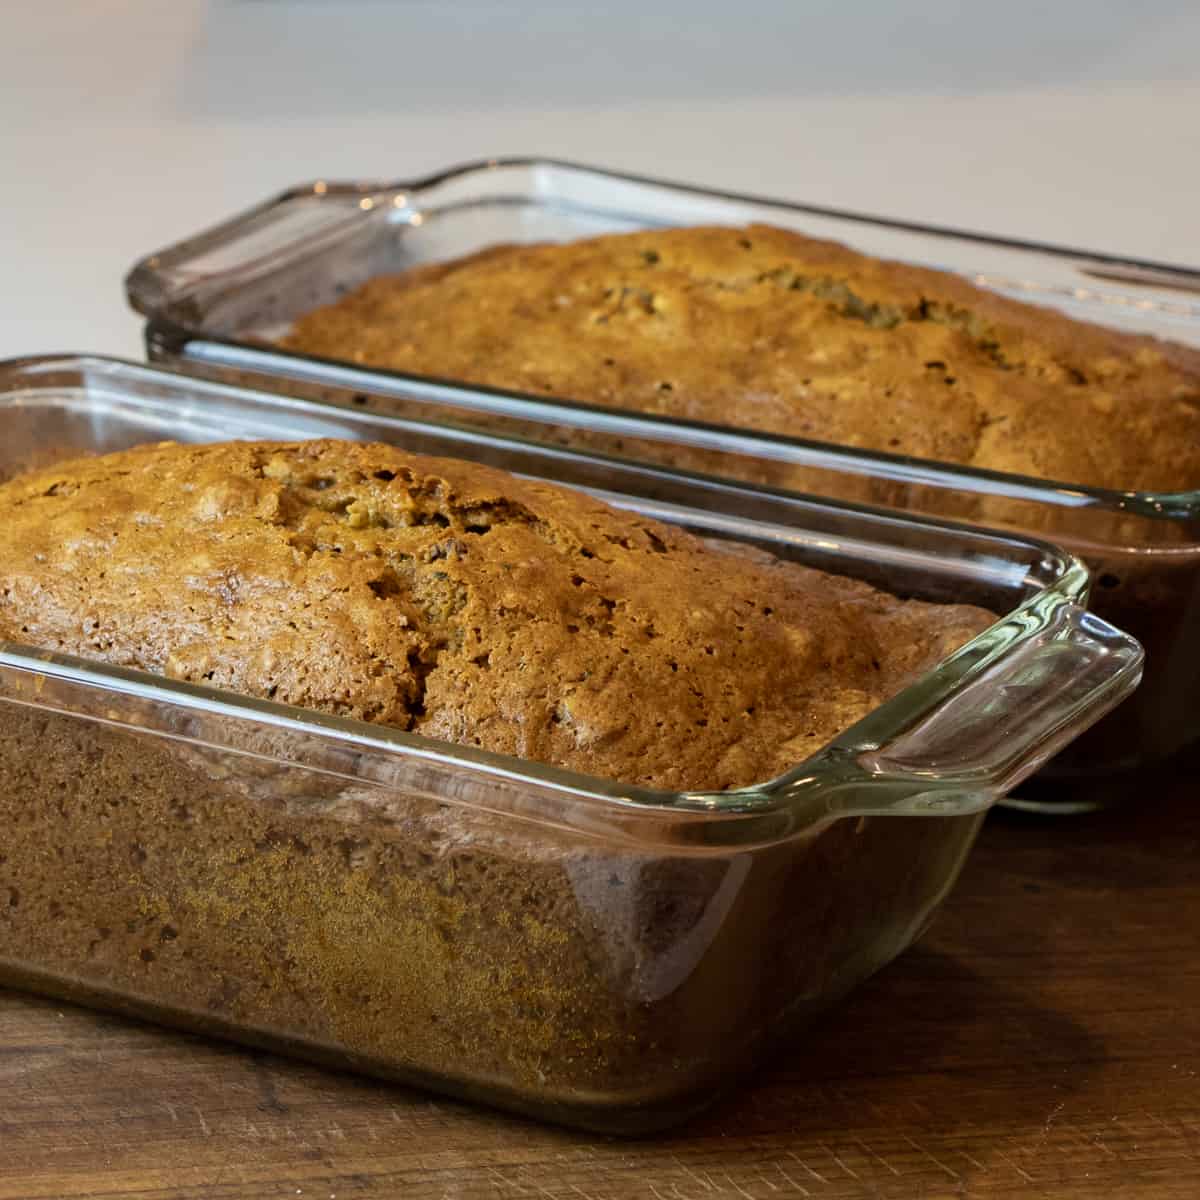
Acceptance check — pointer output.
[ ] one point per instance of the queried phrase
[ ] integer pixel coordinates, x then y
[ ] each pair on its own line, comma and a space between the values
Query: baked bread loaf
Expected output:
245, 884
767, 329
456, 601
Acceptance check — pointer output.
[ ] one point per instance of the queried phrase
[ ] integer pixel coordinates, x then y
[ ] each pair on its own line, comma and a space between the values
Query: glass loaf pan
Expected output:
213, 300
497, 929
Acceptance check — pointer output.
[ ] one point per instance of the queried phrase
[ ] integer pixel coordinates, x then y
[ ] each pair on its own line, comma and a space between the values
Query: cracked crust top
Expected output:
767, 329
457, 601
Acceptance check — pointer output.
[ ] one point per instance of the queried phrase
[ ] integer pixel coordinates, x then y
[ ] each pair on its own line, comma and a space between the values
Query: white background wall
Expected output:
125, 124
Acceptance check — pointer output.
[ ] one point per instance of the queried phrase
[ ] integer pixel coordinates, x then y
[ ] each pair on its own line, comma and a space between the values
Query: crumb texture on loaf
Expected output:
764, 328
456, 601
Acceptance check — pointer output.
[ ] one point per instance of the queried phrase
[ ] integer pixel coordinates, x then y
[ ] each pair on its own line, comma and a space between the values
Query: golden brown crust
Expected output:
764, 328
457, 601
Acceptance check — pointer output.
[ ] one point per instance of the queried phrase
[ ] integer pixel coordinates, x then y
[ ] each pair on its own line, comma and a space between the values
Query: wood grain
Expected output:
1042, 1041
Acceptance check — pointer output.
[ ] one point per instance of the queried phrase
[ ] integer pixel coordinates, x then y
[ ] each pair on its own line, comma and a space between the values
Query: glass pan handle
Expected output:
970, 748
261, 239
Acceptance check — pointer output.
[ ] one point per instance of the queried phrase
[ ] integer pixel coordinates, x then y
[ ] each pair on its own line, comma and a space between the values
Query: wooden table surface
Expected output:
1043, 1040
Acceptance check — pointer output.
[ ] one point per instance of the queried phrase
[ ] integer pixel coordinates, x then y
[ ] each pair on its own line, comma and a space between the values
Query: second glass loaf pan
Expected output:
216, 300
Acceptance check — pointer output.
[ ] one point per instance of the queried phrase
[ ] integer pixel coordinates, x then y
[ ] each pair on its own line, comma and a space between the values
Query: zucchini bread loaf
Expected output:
767, 329
456, 601
355, 915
